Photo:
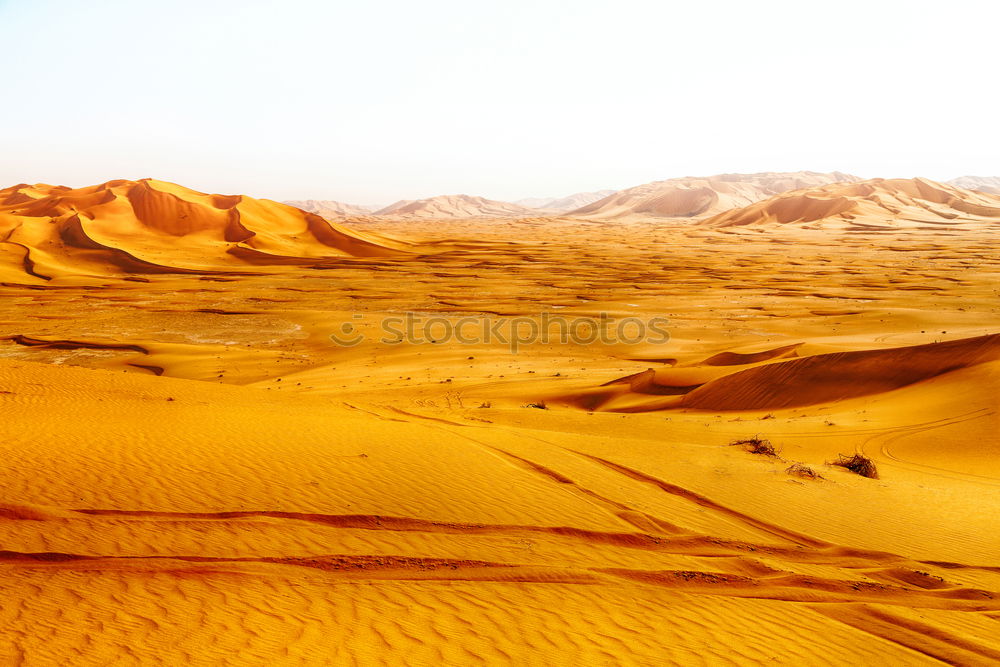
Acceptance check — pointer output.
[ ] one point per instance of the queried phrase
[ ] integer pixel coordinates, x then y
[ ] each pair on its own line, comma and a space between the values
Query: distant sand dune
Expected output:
328, 208
988, 184
456, 206
696, 197
567, 203
878, 202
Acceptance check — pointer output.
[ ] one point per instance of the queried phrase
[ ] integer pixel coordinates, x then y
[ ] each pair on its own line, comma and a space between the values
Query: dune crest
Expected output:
151, 226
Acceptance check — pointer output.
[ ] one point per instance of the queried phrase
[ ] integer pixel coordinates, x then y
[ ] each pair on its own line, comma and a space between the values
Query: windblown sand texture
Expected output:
193, 473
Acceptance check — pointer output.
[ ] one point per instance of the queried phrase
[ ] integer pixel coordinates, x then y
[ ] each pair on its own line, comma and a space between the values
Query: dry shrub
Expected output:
756, 445
859, 464
803, 471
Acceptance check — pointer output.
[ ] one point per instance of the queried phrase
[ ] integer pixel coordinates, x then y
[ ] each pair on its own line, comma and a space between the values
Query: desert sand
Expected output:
195, 473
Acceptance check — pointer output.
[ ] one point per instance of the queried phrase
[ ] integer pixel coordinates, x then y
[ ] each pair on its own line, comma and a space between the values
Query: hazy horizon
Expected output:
376, 102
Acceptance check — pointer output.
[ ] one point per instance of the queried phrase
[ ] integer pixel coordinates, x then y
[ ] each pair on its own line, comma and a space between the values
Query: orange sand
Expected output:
193, 473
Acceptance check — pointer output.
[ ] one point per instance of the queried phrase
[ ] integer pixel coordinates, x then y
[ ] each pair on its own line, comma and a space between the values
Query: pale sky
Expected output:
373, 101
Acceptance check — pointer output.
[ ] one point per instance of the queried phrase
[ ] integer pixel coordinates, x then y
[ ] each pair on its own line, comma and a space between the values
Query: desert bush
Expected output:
803, 471
859, 464
756, 445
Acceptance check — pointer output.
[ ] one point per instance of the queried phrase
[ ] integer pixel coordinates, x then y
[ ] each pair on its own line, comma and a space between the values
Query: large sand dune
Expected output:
697, 197
868, 205
193, 472
150, 226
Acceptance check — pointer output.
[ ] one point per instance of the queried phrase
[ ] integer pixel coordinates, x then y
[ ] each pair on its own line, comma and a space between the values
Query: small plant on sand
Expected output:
540, 405
803, 471
756, 445
859, 464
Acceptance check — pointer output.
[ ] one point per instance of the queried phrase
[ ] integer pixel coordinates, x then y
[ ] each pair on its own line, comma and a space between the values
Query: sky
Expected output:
371, 101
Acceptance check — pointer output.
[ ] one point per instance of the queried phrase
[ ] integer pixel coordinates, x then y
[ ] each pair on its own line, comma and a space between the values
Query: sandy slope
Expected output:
695, 197
194, 473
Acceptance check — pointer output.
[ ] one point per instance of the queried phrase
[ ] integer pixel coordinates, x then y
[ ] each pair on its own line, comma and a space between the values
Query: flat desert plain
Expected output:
210, 454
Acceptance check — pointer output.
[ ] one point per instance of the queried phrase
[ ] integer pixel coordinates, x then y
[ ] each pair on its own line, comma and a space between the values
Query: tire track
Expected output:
702, 501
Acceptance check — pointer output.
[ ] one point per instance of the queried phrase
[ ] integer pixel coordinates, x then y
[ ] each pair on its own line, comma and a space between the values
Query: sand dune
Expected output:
567, 203
149, 226
328, 208
697, 197
988, 184
456, 206
868, 205
780, 378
